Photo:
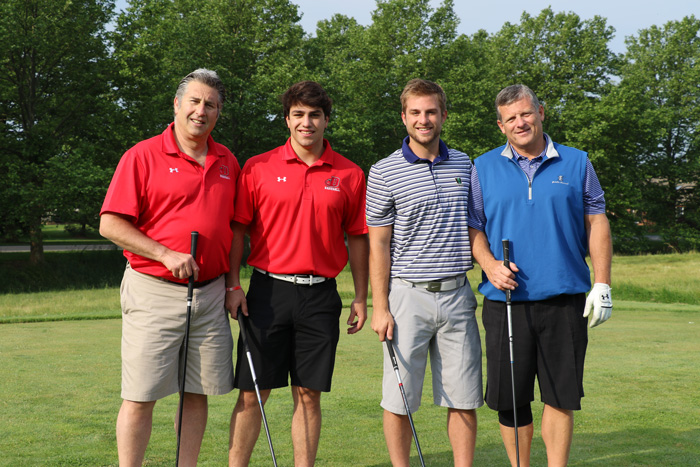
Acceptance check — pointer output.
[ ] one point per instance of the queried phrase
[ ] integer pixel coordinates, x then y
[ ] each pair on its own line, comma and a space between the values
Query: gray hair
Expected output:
204, 76
514, 93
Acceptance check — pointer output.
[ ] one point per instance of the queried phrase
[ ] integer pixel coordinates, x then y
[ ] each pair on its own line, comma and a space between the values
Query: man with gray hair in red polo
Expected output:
163, 189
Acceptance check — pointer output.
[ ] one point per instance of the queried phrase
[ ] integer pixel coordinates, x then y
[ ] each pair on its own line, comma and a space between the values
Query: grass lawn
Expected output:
59, 394
56, 234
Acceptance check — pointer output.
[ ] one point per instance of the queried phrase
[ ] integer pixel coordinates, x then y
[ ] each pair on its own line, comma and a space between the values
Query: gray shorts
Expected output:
442, 324
154, 316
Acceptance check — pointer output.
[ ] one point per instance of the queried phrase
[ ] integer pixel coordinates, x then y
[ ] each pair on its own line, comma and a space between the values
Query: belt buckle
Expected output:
434, 286
300, 277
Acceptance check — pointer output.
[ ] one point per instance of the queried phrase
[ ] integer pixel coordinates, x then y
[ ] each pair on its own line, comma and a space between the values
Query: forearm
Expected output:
379, 269
600, 247
124, 233
233, 278
481, 251
358, 251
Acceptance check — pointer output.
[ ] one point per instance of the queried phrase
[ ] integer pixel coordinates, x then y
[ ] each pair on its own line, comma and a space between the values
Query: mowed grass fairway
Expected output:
60, 385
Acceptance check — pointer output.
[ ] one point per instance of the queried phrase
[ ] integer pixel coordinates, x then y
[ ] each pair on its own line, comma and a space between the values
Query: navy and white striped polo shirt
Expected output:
427, 205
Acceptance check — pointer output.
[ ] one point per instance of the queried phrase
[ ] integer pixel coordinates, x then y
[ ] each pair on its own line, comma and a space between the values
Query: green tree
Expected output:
564, 59
471, 85
53, 83
365, 70
659, 86
254, 45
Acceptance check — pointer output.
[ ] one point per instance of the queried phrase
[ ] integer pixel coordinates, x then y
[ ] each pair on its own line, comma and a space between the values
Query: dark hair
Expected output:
514, 93
308, 93
422, 87
204, 76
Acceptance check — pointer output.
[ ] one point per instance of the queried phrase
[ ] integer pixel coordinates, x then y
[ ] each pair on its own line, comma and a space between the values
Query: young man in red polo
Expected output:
297, 203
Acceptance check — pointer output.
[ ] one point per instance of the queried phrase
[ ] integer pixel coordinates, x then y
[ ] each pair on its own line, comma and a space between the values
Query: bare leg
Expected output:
246, 421
557, 433
194, 422
398, 435
461, 429
524, 443
134, 431
306, 425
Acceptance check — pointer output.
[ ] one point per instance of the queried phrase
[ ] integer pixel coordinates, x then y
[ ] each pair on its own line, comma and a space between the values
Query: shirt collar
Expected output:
170, 145
411, 157
549, 150
328, 156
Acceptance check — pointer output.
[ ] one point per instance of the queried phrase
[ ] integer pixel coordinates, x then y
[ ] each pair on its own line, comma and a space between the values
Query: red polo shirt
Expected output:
297, 214
167, 195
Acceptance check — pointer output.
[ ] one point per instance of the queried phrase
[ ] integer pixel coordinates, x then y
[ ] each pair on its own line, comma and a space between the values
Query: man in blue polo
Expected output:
546, 200
419, 255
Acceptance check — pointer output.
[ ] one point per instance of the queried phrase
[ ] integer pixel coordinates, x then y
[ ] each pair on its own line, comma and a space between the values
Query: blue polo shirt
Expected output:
426, 202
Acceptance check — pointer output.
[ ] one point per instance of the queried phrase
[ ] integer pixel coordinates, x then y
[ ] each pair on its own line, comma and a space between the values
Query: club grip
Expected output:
193, 245
392, 355
242, 323
506, 252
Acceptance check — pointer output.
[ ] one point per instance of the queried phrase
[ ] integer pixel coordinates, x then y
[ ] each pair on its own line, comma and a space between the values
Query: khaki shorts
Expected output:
442, 324
154, 316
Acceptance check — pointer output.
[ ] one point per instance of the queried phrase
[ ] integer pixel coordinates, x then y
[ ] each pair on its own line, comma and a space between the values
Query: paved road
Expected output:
25, 248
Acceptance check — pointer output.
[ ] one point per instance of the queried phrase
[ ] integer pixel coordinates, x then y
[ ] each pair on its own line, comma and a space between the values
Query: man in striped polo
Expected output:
545, 198
419, 255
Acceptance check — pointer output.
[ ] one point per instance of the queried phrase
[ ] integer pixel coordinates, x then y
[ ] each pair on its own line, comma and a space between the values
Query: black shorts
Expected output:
294, 332
549, 341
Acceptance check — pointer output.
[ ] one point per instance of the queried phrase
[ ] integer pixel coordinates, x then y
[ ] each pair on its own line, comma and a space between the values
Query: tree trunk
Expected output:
36, 242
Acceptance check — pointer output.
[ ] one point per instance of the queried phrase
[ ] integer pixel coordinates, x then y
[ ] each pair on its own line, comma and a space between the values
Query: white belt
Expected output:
297, 279
442, 285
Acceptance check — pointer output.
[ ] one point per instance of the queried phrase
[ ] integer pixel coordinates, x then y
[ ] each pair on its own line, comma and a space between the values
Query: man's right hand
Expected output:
180, 265
383, 324
234, 301
500, 276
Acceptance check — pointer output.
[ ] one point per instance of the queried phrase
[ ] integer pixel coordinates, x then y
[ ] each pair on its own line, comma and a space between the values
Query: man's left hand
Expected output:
358, 310
600, 301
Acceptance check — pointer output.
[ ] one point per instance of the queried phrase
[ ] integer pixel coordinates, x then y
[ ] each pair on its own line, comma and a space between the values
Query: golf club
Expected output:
506, 263
190, 289
395, 364
243, 321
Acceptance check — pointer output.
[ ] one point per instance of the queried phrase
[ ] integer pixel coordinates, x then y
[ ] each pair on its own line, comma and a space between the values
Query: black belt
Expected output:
197, 285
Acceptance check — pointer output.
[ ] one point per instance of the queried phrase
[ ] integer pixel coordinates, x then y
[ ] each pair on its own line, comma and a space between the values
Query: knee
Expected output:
248, 400
195, 400
523, 413
306, 397
132, 410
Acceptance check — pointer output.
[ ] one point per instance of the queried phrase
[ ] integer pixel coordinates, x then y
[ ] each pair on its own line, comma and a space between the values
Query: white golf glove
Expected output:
600, 301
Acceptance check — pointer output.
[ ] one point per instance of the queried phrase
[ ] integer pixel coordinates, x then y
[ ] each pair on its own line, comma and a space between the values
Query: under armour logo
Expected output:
605, 296
173, 169
281, 179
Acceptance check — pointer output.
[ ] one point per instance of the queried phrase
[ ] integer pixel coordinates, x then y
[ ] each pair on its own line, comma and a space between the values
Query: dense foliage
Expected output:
80, 84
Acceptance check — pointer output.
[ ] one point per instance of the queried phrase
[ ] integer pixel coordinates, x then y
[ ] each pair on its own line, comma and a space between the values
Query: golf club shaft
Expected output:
506, 263
190, 292
243, 322
395, 364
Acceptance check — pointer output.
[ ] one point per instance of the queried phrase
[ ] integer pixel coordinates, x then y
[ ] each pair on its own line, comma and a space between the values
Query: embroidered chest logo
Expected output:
281, 179
332, 184
458, 180
223, 172
173, 169
560, 180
